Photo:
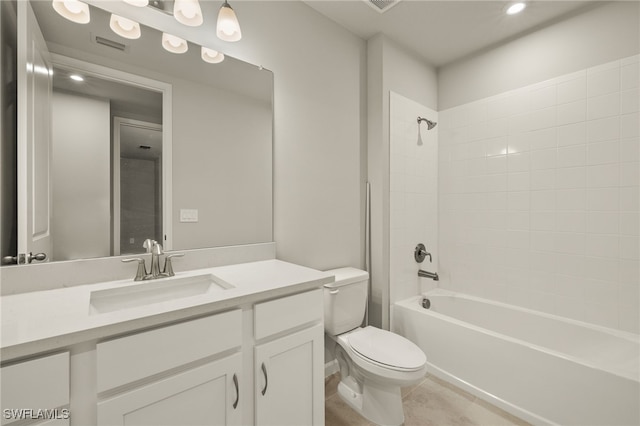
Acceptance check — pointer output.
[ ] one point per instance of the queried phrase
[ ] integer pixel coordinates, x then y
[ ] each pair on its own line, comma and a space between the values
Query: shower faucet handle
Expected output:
421, 253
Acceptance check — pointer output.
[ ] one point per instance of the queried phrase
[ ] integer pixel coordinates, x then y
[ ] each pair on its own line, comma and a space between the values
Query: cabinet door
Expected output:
289, 379
206, 395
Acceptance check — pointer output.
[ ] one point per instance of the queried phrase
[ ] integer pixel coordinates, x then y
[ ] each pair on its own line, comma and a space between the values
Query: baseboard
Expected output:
331, 367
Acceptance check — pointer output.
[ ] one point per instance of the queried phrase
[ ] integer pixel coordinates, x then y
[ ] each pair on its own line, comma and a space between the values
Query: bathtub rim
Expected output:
413, 304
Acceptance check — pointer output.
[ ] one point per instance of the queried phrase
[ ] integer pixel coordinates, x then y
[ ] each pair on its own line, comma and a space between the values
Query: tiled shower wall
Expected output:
539, 192
413, 210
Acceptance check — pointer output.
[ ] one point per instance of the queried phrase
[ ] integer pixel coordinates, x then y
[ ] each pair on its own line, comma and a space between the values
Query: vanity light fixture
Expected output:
174, 44
137, 3
188, 12
211, 56
73, 10
124, 27
228, 28
516, 8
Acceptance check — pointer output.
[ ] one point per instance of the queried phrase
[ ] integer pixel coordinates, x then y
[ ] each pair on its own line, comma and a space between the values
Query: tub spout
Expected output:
427, 274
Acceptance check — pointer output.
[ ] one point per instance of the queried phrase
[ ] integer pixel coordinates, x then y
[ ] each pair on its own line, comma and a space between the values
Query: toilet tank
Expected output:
345, 300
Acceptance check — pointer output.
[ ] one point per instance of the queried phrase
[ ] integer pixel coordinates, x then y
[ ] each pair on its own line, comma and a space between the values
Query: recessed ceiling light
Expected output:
516, 8
76, 77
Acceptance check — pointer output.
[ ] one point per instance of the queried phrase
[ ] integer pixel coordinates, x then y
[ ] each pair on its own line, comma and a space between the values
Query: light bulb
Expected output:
516, 8
188, 12
174, 44
211, 56
125, 27
72, 10
228, 28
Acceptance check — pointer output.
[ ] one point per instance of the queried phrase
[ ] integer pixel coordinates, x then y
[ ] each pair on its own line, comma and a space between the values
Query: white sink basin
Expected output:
154, 291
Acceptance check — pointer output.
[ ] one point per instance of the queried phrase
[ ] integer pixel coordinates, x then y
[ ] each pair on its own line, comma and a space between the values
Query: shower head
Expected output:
430, 124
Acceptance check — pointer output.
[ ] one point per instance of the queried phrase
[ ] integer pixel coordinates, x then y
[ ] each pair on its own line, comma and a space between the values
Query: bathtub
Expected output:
542, 368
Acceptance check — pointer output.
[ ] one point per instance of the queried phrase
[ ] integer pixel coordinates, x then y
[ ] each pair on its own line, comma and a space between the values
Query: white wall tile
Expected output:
572, 112
543, 179
603, 199
570, 199
572, 90
604, 129
572, 156
629, 199
603, 82
600, 245
543, 200
544, 159
571, 178
629, 174
629, 150
603, 106
541, 139
599, 222
629, 101
518, 162
549, 211
629, 77
571, 221
572, 134
603, 176
603, 152
629, 223
629, 126
496, 164
496, 146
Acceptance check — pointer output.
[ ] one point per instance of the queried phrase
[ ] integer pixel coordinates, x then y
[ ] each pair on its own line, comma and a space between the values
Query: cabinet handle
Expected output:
266, 379
235, 382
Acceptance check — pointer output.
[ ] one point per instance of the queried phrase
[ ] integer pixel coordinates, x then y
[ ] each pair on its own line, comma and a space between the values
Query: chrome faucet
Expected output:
156, 252
427, 274
155, 249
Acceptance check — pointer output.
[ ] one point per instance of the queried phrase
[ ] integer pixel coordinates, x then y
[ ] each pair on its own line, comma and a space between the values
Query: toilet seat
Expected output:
386, 349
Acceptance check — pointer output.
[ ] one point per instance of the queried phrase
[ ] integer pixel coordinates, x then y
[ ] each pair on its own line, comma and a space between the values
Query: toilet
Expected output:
374, 363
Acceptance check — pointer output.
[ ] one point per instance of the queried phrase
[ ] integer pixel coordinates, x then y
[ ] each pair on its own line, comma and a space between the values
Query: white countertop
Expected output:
44, 321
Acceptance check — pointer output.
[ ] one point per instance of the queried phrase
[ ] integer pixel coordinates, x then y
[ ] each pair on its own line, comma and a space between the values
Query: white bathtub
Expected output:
542, 368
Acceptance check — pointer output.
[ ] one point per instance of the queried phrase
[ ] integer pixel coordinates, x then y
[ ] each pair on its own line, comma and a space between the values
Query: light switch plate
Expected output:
188, 215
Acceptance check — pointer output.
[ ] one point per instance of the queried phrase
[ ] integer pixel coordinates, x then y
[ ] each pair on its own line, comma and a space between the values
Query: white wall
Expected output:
390, 68
414, 196
81, 176
539, 196
604, 33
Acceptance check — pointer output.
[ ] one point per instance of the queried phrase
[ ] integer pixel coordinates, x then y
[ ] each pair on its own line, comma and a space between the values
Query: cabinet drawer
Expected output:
41, 383
135, 357
288, 312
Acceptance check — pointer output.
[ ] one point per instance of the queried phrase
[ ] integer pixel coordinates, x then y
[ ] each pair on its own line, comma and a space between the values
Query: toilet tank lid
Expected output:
348, 275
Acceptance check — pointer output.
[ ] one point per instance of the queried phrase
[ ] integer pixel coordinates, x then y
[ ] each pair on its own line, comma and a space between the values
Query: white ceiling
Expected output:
444, 31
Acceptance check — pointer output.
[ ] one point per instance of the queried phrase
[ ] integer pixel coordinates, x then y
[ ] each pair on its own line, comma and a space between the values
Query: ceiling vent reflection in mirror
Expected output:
382, 5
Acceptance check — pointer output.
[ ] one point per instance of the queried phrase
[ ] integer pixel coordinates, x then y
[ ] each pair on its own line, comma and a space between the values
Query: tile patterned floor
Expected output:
430, 403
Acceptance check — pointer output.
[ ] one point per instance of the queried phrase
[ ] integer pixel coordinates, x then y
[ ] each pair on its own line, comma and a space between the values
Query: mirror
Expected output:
217, 118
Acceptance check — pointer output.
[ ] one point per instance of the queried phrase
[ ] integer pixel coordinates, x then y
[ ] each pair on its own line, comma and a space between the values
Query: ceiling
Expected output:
441, 32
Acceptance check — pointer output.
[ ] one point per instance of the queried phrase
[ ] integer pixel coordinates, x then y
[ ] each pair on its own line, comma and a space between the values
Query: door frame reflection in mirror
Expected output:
106, 73
145, 194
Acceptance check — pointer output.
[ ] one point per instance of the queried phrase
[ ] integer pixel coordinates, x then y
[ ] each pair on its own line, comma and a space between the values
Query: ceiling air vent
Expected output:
382, 5
110, 43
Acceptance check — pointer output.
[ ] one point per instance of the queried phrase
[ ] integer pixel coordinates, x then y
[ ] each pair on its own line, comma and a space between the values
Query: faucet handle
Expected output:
148, 244
141, 273
168, 266
156, 248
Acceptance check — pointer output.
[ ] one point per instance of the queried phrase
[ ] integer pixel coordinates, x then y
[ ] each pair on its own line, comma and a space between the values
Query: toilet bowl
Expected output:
374, 364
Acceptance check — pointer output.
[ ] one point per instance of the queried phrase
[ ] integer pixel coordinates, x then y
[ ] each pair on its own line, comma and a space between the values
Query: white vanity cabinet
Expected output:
36, 389
182, 374
289, 360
